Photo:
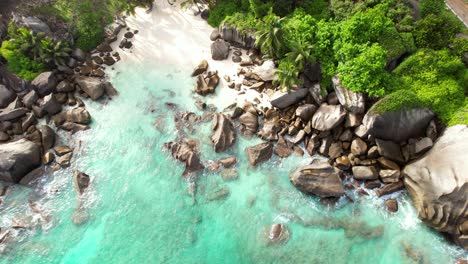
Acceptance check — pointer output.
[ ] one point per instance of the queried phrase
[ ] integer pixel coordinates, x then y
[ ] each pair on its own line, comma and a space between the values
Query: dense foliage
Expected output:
88, 17
362, 42
29, 53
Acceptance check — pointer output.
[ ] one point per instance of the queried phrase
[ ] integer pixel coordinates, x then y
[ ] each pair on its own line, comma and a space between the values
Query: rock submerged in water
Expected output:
80, 181
438, 184
206, 84
278, 233
224, 135
187, 152
259, 153
318, 178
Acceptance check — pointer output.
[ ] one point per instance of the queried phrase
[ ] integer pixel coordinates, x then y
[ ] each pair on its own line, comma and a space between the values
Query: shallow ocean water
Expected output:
140, 210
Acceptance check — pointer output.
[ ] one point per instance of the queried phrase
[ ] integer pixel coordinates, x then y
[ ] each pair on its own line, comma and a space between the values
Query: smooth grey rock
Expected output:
352, 101
266, 71
91, 86
399, 125
17, 159
438, 184
289, 99
319, 178
45, 83
328, 117
219, 50
6, 96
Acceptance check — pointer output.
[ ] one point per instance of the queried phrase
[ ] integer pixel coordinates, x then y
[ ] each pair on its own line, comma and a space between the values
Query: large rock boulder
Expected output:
266, 71
219, 50
328, 117
438, 184
288, 99
92, 86
224, 134
319, 178
259, 153
6, 96
188, 153
398, 125
77, 115
12, 114
200, 68
234, 36
17, 159
44, 83
33, 23
206, 84
249, 123
353, 102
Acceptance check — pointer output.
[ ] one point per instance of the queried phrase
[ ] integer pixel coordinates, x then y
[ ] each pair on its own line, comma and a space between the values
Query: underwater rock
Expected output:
224, 135
259, 153
319, 178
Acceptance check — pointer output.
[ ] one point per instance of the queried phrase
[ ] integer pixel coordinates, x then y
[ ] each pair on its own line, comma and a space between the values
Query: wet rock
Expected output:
392, 205
50, 105
109, 89
289, 99
390, 188
65, 160
6, 96
228, 162
219, 50
278, 233
389, 150
305, 112
365, 173
299, 137
283, 148
229, 174
328, 117
319, 178
186, 152
44, 83
206, 84
48, 158
108, 60
438, 184
218, 194
352, 101
389, 176
75, 115
81, 181
91, 86
62, 150
358, 147
398, 125
48, 137
200, 68
224, 135
259, 153
372, 184
17, 159
343, 163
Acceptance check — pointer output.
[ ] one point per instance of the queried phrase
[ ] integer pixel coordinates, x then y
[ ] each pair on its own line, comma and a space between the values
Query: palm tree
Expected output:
269, 38
301, 54
287, 75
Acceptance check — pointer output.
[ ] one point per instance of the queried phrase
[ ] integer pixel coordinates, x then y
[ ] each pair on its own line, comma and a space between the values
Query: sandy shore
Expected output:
170, 35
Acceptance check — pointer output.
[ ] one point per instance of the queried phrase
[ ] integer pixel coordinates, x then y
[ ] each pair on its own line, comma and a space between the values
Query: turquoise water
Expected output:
140, 210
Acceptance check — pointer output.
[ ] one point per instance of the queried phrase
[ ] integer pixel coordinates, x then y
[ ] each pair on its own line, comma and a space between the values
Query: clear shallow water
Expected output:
141, 212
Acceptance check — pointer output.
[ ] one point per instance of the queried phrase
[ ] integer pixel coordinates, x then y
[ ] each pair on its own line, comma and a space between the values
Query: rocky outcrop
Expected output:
77, 115
438, 184
219, 50
266, 72
92, 86
80, 181
398, 125
319, 178
224, 135
236, 38
206, 84
32, 23
44, 83
188, 153
289, 99
328, 117
249, 123
352, 101
259, 153
306, 112
17, 159
200, 68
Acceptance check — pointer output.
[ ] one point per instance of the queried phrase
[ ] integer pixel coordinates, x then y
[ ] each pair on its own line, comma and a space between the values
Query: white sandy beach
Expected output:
170, 35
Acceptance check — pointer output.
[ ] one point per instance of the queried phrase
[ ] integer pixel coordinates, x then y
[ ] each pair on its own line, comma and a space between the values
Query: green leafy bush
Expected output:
460, 116
436, 31
20, 64
222, 10
435, 7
